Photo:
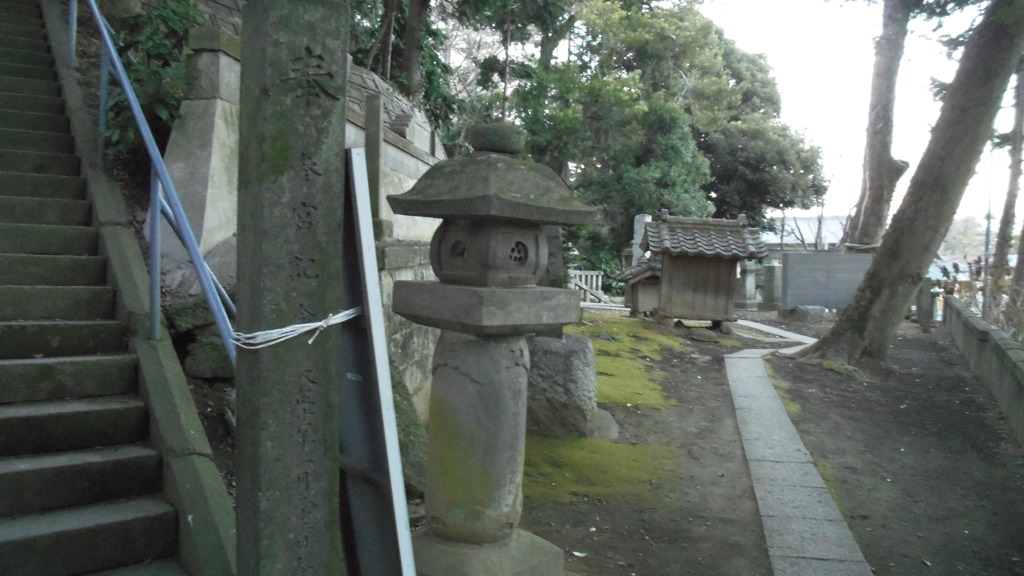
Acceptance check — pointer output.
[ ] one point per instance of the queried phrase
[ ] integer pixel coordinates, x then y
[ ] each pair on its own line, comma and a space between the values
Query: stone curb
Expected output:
804, 530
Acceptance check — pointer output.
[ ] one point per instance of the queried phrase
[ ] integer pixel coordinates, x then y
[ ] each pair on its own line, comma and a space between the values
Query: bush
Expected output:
152, 46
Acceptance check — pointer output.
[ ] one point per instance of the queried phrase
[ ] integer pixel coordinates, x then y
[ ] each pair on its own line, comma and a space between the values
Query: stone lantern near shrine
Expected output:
488, 253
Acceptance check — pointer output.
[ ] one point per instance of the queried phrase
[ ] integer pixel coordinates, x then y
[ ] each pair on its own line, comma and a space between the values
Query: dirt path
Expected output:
917, 457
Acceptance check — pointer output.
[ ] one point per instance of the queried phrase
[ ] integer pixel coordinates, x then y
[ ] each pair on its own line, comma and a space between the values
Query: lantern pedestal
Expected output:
522, 554
486, 311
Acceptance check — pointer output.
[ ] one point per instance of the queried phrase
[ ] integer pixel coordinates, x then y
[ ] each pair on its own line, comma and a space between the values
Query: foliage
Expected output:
965, 239
436, 96
152, 46
649, 108
760, 164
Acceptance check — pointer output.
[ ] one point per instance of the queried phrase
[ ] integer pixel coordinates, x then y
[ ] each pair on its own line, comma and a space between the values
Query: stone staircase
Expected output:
81, 484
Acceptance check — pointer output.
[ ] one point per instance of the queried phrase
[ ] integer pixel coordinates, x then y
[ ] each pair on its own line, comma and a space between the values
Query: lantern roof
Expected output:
492, 184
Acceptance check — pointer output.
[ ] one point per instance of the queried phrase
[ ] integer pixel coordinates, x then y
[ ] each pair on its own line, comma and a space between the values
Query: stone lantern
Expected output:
488, 253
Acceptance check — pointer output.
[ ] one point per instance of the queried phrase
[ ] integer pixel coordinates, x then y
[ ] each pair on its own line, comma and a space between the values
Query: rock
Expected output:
562, 389
206, 356
187, 314
702, 335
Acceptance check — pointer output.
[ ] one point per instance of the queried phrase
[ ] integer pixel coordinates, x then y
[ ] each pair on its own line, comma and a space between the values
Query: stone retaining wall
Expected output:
995, 358
410, 346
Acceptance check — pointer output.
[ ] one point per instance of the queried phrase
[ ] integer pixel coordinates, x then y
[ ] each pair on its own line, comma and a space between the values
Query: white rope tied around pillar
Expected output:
258, 340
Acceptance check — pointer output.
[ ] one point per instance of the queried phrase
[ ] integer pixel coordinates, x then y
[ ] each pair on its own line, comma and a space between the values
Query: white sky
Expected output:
821, 53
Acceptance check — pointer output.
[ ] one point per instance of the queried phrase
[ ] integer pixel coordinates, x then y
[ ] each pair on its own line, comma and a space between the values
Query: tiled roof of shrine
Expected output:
708, 237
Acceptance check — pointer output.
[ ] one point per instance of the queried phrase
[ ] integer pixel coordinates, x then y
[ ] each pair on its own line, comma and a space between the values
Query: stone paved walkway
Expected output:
805, 533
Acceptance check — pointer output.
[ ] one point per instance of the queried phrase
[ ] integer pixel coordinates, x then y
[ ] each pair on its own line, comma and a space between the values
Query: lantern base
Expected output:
486, 311
522, 554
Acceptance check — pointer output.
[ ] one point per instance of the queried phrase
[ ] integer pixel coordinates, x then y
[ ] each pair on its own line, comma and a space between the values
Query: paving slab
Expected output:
777, 331
773, 451
801, 502
785, 474
810, 538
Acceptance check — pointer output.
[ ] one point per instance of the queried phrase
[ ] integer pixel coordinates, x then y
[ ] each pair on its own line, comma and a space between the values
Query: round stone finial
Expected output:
501, 137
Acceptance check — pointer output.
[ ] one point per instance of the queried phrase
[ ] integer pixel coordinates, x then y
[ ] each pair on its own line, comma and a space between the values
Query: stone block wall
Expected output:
828, 279
410, 346
995, 358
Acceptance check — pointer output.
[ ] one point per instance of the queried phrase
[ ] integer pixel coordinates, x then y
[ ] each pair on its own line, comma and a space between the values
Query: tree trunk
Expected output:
1016, 150
1002, 249
387, 37
867, 325
881, 170
412, 45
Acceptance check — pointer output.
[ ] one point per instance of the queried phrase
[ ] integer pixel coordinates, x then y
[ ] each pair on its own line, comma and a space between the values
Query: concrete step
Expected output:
32, 121
41, 239
23, 38
40, 483
27, 70
34, 141
60, 425
15, 10
41, 379
19, 29
56, 303
42, 185
158, 568
27, 86
36, 270
49, 211
26, 57
21, 2
88, 538
39, 162
38, 104
48, 339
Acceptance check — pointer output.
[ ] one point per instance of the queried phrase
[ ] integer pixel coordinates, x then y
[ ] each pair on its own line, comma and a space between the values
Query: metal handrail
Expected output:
164, 198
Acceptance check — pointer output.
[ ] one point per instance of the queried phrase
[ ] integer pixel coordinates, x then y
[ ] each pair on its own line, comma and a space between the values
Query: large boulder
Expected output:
562, 387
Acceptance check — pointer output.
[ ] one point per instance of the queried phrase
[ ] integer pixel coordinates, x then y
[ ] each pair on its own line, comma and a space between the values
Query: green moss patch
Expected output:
782, 389
558, 470
625, 349
844, 369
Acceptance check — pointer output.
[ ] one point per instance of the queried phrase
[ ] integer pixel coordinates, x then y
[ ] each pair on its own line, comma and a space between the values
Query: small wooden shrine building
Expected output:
696, 261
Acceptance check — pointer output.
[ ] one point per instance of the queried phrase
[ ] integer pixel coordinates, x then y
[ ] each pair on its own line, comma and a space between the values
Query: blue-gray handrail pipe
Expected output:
163, 196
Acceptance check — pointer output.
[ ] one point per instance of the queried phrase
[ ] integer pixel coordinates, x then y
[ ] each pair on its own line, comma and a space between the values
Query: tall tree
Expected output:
1016, 149
881, 170
416, 15
757, 163
1000, 255
866, 327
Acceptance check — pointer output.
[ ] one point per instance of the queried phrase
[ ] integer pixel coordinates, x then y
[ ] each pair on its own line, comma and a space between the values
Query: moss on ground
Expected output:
828, 474
625, 349
782, 389
844, 369
559, 469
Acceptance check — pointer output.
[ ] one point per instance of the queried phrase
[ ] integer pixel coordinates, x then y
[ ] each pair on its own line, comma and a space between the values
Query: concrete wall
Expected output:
401, 165
410, 346
994, 357
828, 279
